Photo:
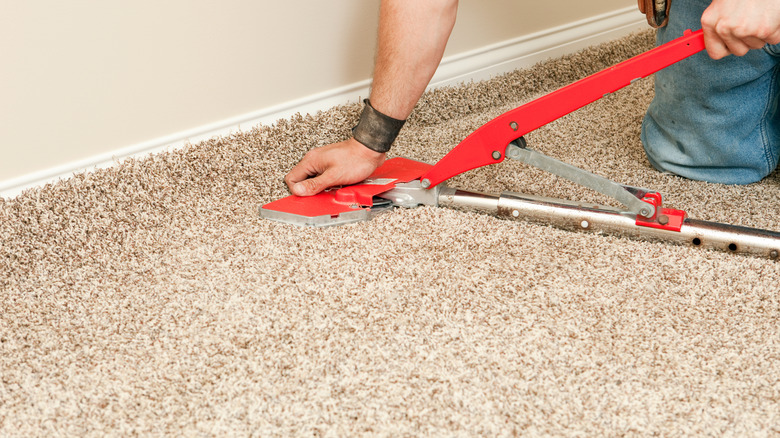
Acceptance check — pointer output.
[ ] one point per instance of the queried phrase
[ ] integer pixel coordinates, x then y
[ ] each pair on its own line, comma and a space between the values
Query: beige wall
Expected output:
81, 78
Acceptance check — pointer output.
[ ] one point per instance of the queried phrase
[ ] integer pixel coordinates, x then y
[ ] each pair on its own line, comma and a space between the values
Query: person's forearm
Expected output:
412, 38
411, 42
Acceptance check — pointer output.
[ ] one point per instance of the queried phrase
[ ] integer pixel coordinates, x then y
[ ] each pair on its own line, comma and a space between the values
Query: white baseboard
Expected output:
478, 64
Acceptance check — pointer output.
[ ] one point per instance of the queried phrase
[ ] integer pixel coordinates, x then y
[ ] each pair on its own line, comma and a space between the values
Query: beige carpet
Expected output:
150, 299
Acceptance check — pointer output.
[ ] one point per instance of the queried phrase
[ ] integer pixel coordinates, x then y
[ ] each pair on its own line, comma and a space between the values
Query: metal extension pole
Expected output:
600, 219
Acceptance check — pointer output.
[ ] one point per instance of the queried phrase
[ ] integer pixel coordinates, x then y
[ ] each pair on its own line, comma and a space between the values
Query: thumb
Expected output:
312, 186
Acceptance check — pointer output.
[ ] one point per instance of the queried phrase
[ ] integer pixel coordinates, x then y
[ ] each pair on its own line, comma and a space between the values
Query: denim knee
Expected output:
713, 120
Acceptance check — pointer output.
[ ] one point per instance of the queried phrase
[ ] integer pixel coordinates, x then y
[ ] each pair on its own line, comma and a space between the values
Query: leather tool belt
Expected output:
657, 11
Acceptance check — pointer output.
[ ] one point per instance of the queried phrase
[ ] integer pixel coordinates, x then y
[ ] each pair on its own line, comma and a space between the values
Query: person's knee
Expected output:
716, 158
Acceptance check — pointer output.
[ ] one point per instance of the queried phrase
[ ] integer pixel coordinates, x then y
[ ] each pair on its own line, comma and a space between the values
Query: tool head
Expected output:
355, 203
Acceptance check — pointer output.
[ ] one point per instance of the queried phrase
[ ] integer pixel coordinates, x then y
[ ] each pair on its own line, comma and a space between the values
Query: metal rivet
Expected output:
773, 254
584, 224
516, 213
663, 219
496, 155
425, 183
513, 125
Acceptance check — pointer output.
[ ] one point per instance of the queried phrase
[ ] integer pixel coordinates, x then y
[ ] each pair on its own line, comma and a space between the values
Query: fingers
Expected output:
735, 27
719, 47
301, 172
719, 39
312, 186
310, 176
722, 44
342, 163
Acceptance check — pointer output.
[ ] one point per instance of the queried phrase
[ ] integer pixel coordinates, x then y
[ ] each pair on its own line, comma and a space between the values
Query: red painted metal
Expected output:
478, 148
350, 198
384, 178
664, 218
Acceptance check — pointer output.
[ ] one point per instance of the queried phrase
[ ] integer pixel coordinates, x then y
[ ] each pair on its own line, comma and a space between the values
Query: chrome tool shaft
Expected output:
580, 216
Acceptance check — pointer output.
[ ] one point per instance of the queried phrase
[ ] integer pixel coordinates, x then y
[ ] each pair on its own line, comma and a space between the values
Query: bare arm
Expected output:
412, 38
736, 26
411, 41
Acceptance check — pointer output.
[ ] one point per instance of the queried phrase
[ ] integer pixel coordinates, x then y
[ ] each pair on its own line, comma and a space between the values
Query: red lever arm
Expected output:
478, 148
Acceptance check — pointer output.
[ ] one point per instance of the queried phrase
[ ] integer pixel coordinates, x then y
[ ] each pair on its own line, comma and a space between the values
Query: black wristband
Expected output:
375, 130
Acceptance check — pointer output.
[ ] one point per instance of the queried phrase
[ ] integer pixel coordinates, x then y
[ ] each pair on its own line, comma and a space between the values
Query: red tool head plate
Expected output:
348, 204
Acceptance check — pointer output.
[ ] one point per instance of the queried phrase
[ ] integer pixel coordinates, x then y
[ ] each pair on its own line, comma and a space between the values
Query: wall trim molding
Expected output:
474, 65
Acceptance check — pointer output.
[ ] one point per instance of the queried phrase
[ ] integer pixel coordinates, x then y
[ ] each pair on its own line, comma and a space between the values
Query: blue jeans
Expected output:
715, 121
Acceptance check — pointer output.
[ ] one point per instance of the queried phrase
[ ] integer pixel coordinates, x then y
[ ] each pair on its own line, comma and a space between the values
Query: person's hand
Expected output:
736, 26
344, 163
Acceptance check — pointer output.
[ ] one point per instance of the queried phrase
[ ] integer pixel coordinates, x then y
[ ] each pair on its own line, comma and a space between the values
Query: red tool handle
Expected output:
487, 144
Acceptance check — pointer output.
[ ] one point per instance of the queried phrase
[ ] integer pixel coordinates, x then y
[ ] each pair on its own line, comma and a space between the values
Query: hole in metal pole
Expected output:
732, 246
696, 241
